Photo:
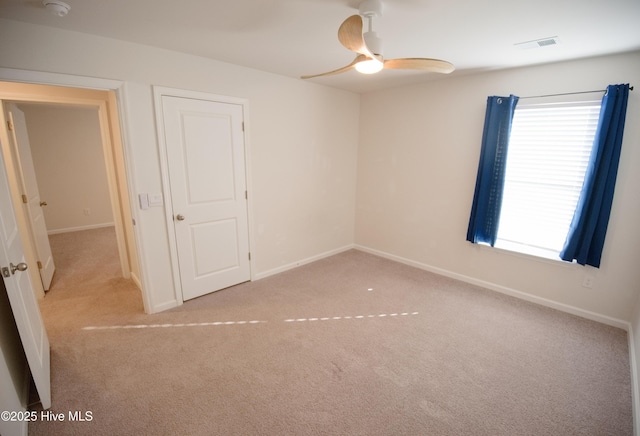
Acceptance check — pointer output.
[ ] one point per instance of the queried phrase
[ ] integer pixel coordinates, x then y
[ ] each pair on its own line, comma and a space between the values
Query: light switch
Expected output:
155, 200
144, 201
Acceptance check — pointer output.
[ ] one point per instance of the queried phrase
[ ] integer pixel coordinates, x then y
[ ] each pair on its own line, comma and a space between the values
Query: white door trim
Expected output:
158, 93
43, 78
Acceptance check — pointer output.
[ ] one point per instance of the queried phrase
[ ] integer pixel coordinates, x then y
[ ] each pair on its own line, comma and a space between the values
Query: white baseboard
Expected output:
635, 388
79, 229
262, 275
136, 280
604, 319
165, 306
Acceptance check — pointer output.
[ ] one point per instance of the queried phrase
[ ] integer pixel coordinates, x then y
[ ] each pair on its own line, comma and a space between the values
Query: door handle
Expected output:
19, 267
180, 217
43, 203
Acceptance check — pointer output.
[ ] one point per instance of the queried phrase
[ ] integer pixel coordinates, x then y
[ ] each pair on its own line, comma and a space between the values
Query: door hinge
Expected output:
249, 255
39, 265
243, 126
24, 199
10, 125
246, 195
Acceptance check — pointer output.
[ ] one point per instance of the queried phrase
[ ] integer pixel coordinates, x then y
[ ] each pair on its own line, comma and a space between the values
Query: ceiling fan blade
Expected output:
424, 64
339, 70
350, 35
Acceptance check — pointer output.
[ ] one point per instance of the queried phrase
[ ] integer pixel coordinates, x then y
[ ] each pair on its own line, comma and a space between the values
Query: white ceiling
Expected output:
298, 37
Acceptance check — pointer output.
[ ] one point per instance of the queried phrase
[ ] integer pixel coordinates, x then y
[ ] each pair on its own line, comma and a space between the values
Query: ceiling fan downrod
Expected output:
371, 9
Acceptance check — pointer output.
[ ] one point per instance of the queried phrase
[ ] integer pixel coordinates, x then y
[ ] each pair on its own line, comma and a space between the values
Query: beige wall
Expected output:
413, 150
418, 158
70, 166
302, 139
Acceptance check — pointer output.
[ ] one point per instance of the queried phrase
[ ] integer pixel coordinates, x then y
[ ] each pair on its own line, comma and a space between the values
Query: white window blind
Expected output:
547, 158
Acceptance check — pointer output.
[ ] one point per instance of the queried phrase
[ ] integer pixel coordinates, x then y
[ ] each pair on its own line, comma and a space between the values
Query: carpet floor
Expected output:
349, 345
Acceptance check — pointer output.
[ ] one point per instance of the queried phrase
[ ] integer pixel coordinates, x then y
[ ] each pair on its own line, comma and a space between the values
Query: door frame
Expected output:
158, 93
103, 94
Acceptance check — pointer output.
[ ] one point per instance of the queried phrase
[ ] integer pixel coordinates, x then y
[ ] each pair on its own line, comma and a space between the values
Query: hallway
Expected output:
87, 286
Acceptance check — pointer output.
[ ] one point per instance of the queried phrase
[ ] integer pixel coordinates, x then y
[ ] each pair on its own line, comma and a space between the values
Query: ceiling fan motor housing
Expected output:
374, 44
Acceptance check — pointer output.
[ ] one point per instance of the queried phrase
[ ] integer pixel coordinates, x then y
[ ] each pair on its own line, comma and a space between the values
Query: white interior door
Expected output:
33, 202
21, 296
206, 163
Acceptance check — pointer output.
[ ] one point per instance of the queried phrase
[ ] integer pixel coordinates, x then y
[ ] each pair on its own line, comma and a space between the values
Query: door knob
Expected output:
19, 267
180, 217
43, 203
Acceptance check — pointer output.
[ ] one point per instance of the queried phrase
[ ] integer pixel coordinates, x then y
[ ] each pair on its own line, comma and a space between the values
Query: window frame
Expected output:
561, 101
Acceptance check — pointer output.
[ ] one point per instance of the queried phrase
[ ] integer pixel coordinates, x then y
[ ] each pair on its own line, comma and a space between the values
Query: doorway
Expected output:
104, 102
69, 172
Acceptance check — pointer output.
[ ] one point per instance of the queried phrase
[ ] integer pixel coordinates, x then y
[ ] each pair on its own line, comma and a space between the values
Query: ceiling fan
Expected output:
369, 47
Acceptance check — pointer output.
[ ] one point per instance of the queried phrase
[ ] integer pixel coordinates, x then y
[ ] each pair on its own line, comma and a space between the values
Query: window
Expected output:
545, 170
549, 149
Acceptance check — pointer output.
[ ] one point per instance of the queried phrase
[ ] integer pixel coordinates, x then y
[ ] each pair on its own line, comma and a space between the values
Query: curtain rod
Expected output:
569, 93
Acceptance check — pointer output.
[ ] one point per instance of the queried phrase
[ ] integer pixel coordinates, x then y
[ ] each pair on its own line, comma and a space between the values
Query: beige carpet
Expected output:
349, 345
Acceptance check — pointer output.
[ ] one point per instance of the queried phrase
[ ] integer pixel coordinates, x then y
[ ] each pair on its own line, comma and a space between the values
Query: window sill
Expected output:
528, 252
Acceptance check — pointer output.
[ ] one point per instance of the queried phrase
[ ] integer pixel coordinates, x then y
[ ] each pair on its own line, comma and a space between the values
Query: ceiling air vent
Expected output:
537, 43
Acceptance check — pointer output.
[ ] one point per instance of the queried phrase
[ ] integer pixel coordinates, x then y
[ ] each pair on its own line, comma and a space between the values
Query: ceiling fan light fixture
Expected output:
370, 66
56, 7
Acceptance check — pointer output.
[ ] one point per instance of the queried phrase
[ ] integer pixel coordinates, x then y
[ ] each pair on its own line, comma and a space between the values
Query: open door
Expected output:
21, 296
30, 195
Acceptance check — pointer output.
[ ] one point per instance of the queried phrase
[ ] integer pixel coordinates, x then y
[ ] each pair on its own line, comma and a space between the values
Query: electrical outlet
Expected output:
588, 281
